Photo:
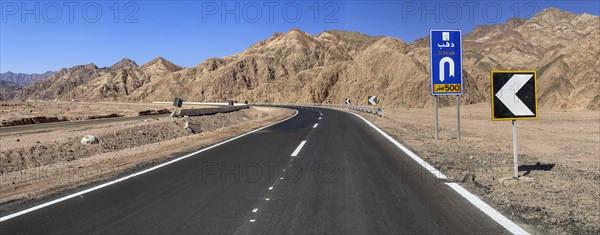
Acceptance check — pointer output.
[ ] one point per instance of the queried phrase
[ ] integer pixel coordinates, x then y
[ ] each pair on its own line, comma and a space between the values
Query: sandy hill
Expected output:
298, 67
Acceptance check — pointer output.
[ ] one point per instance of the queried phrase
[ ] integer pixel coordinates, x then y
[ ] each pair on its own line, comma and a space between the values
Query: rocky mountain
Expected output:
160, 66
125, 63
23, 79
60, 83
121, 79
562, 47
8, 90
298, 67
256, 73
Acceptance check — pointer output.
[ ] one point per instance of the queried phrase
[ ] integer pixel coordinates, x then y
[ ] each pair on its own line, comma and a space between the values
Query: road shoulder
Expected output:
28, 186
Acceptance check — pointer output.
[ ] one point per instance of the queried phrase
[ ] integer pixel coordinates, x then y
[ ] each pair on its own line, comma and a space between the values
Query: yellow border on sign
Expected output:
534, 90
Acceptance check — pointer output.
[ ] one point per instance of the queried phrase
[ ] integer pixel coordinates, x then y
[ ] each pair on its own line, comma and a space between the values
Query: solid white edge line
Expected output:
316, 124
485, 208
7, 217
295, 153
488, 210
423, 163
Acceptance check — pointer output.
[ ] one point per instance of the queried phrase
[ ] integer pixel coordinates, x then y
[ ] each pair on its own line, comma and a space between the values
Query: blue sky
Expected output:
37, 36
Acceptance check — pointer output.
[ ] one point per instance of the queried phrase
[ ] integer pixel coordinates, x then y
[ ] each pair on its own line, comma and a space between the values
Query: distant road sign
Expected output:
372, 100
446, 62
514, 95
178, 102
347, 101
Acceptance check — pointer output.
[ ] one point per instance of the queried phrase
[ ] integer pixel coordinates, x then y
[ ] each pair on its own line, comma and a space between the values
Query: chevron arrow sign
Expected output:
372, 100
513, 95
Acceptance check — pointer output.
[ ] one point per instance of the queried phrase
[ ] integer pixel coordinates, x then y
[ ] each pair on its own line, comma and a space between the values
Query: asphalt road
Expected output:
71, 124
345, 179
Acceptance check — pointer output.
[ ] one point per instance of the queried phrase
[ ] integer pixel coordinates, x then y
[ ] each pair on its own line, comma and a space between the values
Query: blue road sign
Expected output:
446, 62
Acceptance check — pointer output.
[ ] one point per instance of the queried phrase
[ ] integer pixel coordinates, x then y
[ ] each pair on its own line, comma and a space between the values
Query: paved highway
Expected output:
322, 171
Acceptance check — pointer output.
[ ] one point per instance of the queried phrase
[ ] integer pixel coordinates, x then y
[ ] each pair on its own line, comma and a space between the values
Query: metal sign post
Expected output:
515, 160
458, 116
446, 68
435, 103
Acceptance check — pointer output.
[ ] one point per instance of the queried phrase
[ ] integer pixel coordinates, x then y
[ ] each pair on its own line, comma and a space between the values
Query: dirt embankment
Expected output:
39, 164
15, 113
558, 162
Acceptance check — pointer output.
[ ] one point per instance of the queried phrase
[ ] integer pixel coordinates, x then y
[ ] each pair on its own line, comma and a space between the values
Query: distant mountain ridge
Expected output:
8, 90
11, 82
23, 79
298, 67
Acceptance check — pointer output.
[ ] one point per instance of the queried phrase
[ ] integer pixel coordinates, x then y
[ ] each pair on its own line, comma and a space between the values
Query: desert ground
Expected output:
34, 165
559, 161
33, 112
14, 113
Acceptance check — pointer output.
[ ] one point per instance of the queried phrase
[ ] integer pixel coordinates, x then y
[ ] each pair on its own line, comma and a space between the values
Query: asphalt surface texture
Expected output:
346, 179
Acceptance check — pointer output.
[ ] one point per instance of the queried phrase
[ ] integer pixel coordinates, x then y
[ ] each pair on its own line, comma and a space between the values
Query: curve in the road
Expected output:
321, 171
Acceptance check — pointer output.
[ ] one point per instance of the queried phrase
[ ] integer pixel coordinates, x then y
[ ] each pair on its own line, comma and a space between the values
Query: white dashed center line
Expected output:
255, 210
295, 153
316, 124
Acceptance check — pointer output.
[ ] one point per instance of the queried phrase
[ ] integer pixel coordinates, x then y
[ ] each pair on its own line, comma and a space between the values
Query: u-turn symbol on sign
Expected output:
443, 61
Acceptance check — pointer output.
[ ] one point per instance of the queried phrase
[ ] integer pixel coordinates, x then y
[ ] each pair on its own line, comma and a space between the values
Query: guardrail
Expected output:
218, 108
208, 111
366, 109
